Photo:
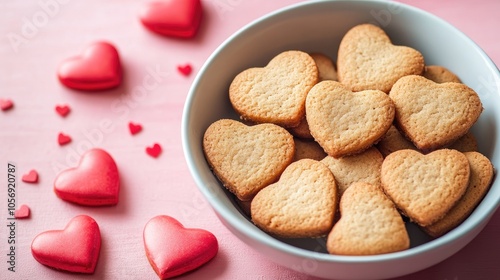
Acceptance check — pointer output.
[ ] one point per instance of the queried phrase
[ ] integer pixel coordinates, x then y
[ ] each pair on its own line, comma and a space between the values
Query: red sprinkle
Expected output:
134, 128
31, 177
22, 212
63, 139
154, 151
63, 110
6, 104
185, 69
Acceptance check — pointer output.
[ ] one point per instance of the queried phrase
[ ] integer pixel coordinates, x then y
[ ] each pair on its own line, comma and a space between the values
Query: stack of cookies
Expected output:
346, 151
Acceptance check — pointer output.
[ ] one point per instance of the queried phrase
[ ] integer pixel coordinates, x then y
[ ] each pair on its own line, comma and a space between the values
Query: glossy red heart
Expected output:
173, 249
75, 248
31, 177
63, 139
176, 18
94, 182
185, 69
98, 68
22, 212
154, 151
6, 104
63, 110
134, 128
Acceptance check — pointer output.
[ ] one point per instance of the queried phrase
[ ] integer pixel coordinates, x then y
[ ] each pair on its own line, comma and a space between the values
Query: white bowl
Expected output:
318, 26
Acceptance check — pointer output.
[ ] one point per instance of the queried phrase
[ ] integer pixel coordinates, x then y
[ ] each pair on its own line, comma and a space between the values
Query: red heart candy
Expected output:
22, 212
63, 110
94, 182
98, 68
6, 104
185, 69
134, 128
31, 177
63, 139
154, 151
173, 250
75, 248
176, 18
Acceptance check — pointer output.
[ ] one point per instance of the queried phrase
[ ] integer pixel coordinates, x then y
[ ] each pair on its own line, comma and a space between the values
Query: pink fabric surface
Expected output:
150, 186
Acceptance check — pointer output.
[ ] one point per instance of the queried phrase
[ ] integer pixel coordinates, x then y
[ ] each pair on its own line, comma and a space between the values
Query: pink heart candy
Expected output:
173, 250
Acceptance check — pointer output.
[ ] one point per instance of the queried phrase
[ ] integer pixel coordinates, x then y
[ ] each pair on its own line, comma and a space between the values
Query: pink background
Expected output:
150, 187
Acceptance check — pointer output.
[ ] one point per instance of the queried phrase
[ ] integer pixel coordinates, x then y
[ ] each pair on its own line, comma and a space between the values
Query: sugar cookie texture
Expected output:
363, 167
425, 187
369, 224
440, 74
380, 131
395, 141
301, 204
368, 60
277, 92
434, 115
480, 180
345, 122
247, 158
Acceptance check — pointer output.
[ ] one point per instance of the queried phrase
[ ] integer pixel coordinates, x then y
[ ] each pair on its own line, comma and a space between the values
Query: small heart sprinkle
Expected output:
6, 104
134, 128
63, 110
63, 139
31, 177
154, 151
185, 69
22, 212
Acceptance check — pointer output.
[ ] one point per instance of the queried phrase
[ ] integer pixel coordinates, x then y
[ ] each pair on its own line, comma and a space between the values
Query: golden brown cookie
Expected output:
368, 60
326, 68
434, 115
277, 92
395, 141
440, 74
247, 158
345, 122
302, 130
308, 149
369, 224
425, 187
362, 167
480, 180
301, 204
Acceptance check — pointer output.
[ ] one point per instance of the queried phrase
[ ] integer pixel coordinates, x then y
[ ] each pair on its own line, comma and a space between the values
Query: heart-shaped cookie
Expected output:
247, 158
345, 122
395, 141
98, 68
173, 250
301, 204
176, 18
425, 187
369, 224
433, 115
94, 182
75, 248
277, 92
440, 74
367, 59
481, 177
362, 167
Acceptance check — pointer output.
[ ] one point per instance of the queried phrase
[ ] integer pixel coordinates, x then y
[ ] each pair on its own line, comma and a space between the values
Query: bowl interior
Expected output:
318, 26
